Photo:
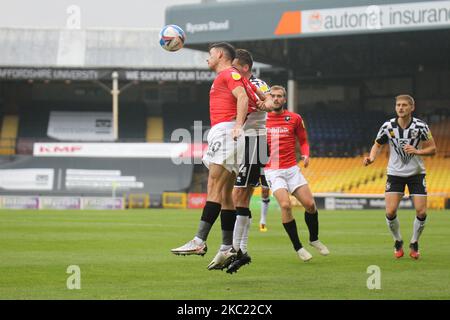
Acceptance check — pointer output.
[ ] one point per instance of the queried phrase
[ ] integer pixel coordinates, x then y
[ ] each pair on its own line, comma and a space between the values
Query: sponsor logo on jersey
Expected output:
278, 130
236, 76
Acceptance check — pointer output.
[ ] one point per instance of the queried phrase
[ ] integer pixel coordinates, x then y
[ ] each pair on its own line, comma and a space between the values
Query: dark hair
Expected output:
244, 57
227, 48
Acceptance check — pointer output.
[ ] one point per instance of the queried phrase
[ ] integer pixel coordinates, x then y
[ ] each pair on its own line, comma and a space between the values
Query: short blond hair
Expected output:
406, 97
278, 87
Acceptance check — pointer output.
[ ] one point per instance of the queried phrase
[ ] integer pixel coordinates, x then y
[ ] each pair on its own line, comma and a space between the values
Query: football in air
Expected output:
172, 37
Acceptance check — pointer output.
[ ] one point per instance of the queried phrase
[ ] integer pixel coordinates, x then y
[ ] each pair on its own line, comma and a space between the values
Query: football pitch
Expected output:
126, 255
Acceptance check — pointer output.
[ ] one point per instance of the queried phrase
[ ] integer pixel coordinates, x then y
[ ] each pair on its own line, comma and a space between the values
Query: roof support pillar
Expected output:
292, 93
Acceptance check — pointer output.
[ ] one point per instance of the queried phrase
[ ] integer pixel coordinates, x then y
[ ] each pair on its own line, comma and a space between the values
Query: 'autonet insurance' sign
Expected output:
235, 21
397, 16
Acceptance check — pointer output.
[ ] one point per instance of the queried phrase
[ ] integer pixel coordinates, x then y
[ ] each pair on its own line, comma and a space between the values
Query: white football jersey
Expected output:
400, 163
256, 121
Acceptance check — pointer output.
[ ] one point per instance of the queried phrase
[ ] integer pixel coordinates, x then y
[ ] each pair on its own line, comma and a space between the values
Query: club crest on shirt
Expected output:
414, 133
403, 142
287, 118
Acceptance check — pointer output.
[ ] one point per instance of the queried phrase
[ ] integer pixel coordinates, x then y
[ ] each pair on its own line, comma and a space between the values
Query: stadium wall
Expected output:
91, 176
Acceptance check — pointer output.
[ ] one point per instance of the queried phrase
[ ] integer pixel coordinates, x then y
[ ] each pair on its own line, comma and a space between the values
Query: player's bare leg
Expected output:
225, 253
304, 195
217, 179
289, 224
420, 204
265, 200
392, 202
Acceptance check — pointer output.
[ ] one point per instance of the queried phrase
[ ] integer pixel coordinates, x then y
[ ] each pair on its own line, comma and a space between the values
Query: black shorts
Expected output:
416, 184
251, 172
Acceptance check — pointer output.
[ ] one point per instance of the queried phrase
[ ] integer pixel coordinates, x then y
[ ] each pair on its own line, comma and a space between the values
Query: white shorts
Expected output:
223, 149
289, 179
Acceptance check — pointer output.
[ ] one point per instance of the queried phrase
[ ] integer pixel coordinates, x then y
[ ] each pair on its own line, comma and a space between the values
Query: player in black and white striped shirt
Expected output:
409, 138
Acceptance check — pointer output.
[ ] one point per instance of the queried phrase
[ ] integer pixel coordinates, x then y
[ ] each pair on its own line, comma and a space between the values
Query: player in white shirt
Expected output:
409, 138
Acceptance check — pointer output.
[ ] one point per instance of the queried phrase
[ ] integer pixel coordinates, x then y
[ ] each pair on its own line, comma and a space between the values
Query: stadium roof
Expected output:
92, 49
91, 54
326, 37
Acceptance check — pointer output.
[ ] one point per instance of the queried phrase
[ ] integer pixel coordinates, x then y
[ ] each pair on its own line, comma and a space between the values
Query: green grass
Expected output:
125, 255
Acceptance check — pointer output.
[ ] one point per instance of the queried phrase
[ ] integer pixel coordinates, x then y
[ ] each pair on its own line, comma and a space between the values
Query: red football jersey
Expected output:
282, 131
222, 103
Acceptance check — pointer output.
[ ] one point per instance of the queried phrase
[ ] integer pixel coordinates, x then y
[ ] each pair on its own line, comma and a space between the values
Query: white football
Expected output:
172, 37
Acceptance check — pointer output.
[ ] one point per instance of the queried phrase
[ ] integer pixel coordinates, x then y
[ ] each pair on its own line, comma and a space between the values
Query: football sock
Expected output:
242, 218
394, 227
210, 213
419, 225
228, 219
291, 229
264, 208
244, 241
312, 221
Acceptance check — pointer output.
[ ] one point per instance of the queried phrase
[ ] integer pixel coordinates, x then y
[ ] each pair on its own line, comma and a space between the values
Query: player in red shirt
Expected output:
232, 97
284, 128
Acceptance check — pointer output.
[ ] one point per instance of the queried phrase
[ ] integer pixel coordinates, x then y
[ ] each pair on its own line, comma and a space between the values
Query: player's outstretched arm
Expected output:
374, 152
266, 101
266, 106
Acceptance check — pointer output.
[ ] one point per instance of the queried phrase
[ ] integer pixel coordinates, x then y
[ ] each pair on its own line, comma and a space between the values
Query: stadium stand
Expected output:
337, 162
34, 120
438, 176
330, 136
8, 134
33, 123
441, 134
155, 129
182, 116
132, 122
341, 174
